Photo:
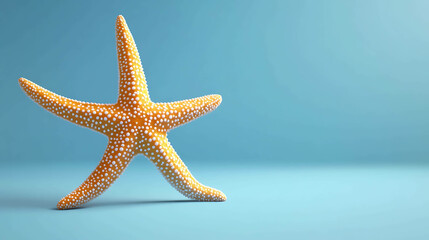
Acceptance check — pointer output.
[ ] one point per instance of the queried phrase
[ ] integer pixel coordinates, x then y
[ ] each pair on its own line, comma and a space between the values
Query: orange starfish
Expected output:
133, 125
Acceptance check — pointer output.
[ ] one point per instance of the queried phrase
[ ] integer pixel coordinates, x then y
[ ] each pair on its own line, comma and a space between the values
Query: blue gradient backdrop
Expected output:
337, 88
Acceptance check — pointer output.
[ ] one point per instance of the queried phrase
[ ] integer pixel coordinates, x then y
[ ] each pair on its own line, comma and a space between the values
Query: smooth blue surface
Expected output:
263, 203
323, 131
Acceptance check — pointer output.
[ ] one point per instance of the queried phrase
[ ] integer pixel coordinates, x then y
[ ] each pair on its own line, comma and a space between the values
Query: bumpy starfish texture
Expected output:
133, 125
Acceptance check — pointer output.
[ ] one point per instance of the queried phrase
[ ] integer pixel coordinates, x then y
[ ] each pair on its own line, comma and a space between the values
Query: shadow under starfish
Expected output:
131, 203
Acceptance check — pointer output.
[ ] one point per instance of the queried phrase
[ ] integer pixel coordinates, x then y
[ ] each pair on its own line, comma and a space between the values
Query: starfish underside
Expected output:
133, 125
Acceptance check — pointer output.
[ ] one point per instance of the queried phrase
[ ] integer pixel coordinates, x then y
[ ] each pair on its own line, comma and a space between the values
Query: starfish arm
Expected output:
116, 158
99, 117
178, 113
162, 154
133, 90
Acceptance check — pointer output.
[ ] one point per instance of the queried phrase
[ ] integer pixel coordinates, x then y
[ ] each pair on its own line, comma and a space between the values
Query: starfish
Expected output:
133, 125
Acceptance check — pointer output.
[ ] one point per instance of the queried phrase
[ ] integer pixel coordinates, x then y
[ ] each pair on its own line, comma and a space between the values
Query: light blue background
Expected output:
323, 129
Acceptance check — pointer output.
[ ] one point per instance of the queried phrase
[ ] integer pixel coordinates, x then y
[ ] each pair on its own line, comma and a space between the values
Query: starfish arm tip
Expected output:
25, 84
21, 81
61, 205
214, 100
120, 20
222, 197
218, 99
65, 204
